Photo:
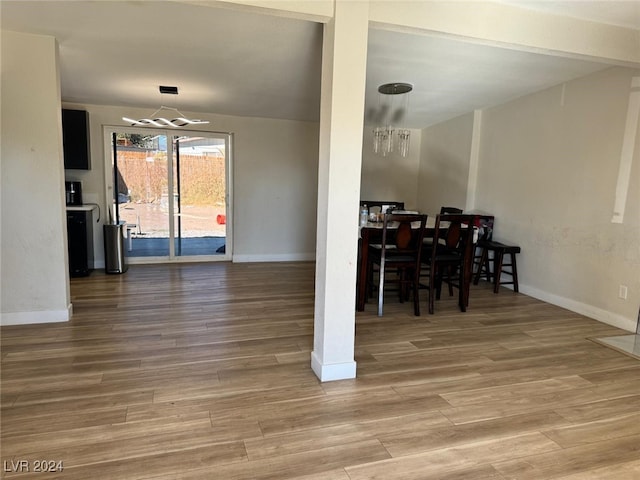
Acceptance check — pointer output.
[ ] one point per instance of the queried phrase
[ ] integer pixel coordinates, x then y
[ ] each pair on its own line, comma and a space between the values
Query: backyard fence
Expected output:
143, 177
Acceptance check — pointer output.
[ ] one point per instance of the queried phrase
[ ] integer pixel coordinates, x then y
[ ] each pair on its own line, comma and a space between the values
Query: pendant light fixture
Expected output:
393, 101
178, 120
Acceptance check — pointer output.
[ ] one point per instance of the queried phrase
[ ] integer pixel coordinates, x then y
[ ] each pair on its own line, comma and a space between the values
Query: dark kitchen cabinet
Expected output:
75, 139
80, 242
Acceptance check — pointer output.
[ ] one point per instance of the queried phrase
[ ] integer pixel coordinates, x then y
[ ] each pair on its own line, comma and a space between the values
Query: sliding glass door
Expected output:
171, 191
199, 200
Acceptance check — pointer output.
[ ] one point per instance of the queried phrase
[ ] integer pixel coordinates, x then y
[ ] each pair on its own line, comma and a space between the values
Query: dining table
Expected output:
371, 233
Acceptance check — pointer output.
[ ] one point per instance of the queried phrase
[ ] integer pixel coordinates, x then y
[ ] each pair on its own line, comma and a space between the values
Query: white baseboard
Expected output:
335, 371
590, 311
286, 257
28, 318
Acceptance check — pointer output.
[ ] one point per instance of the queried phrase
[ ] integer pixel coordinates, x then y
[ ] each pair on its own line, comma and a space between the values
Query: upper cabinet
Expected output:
75, 139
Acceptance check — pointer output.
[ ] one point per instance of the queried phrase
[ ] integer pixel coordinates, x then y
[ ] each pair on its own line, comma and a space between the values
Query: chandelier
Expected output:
178, 120
384, 136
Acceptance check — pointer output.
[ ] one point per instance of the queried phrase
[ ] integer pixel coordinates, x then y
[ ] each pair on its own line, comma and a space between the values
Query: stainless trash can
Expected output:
114, 258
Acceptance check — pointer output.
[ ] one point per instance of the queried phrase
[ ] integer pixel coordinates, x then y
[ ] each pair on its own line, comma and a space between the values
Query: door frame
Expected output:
107, 131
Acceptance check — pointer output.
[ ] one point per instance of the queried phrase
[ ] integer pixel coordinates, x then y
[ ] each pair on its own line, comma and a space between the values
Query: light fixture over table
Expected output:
389, 113
178, 121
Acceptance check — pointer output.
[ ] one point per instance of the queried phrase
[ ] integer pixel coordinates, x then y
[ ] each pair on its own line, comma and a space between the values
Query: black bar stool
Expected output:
499, 251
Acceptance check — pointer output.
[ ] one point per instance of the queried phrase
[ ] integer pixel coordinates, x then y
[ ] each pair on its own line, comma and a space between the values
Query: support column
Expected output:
344, 58
626, 156
474, 161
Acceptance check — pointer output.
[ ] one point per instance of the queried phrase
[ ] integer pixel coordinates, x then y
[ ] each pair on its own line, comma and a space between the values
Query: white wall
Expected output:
276, 189
392, 177
35, 284
548, 170
444, 164
275, 175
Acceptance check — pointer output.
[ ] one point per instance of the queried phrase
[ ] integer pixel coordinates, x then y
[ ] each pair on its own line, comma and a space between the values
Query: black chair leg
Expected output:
432, 291
438, 283
497, 271
514, 270
416, 298
483, 267
450, 274
402, 285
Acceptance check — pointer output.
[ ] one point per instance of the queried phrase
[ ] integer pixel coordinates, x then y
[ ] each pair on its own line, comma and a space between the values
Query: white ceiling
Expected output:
240, 63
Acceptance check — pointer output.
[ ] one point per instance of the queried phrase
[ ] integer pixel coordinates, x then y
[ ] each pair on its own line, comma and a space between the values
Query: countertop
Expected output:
81, 208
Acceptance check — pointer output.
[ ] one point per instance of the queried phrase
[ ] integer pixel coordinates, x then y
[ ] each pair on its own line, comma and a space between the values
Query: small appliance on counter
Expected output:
73, 192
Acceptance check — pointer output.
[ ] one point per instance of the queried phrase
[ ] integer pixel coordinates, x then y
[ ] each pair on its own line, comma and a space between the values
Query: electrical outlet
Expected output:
622, 292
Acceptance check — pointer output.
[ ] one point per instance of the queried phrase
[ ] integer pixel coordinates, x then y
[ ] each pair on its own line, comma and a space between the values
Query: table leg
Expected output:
361, 287
466, 273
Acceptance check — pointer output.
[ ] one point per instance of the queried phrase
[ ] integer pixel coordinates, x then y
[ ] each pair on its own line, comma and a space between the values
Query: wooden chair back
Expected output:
404, 232
393, 205
452, 249
402, 240
447, 210
454, 232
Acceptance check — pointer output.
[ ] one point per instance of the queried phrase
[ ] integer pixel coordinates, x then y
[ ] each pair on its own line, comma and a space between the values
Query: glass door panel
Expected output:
199, 195
142, 204
172, 193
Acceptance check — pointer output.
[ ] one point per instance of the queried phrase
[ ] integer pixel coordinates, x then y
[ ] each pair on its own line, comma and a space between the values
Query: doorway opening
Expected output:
171, 192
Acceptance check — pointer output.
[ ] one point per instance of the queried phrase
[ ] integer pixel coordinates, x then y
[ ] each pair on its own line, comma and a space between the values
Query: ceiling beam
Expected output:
320, 11
512, 27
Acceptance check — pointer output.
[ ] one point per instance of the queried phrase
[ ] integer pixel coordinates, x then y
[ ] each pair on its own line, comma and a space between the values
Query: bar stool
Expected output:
499, 251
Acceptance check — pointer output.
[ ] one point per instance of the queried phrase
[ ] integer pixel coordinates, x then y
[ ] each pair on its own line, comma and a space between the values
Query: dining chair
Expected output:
400, 249
448, 210
380, 203
451, 251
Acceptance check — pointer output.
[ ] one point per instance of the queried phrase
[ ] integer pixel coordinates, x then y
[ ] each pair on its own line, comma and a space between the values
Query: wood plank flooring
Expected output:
202, 371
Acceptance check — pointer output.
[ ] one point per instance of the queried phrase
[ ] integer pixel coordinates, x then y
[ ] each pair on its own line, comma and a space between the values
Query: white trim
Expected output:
229, 165
171, 165
331, 372
284, 257
29, 318
108, 130
474, 161
582, 308
626, 155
